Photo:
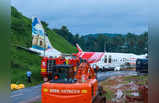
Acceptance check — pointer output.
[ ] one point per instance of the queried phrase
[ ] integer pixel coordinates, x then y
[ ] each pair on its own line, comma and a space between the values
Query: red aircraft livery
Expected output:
91, 57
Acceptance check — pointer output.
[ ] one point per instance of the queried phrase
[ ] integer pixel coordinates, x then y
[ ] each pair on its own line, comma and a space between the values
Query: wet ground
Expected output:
104, 75
26, 95
31, 94
123, 89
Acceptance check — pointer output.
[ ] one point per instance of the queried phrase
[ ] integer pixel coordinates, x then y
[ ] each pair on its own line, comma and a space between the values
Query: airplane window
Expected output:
105, 60
110, 59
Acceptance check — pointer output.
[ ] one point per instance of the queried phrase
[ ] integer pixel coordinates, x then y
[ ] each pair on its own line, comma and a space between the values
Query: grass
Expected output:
38, 102
141, 80
19, 76
109, 94
22, 61
125, 80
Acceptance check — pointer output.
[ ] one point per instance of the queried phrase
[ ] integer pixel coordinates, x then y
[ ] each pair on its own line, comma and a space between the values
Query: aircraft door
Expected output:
110, 59
105, 59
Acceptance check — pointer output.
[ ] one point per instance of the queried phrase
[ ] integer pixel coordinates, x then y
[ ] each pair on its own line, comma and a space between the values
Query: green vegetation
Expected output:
127, 84
38, 102
140, 80
142, 77
109, 94
128, 43
22, 61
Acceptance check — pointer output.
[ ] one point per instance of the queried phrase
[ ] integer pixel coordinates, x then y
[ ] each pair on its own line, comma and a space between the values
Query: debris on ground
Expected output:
126, 89
16, 86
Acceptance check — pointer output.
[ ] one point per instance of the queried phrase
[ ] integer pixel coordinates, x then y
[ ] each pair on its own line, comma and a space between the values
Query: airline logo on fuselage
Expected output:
91, 57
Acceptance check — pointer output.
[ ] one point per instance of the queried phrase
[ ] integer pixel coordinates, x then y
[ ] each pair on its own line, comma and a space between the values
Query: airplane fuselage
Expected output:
109, 60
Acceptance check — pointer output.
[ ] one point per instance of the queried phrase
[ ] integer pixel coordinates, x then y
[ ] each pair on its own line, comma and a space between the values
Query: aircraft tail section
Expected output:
40, 40
78, 47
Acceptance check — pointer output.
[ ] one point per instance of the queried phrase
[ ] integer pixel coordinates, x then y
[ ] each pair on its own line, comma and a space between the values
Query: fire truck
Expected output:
47, 63
71, 80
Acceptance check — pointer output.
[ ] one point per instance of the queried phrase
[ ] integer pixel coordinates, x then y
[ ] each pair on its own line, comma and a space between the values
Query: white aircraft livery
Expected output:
42, 46
40, 41
106, 60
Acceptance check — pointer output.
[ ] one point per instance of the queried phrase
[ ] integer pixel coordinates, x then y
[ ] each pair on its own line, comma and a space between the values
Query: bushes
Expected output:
22, 61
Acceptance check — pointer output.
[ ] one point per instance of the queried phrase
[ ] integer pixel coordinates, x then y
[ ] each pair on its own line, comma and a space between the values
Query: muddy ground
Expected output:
118, 88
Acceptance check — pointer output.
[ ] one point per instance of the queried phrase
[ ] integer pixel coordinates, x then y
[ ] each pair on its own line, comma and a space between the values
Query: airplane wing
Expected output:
40, 42
26, 49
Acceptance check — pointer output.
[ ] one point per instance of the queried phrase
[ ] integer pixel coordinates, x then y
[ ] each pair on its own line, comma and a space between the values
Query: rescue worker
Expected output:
29, 73
56, 75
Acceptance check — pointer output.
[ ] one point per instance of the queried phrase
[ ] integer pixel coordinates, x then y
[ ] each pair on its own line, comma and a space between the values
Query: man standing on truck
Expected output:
29, 73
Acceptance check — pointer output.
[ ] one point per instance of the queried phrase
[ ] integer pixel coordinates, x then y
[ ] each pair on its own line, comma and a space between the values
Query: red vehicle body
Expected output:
47, 62
77, 85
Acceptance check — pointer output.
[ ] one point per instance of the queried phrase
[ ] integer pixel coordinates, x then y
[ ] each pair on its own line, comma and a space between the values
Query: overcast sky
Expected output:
89, 16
